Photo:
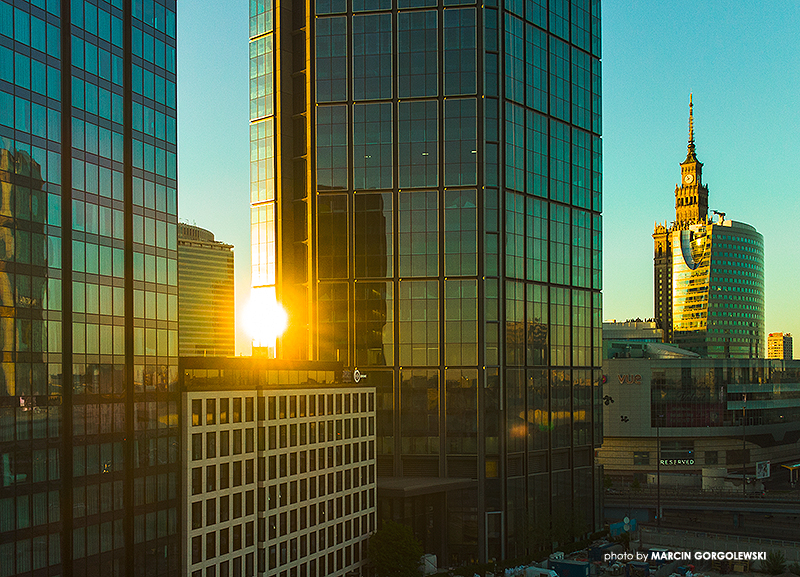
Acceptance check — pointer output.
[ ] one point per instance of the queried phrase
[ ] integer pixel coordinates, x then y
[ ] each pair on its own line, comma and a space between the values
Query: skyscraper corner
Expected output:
425, 200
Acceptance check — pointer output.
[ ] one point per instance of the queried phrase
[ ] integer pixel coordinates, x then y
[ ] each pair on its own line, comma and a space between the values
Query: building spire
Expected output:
690, 154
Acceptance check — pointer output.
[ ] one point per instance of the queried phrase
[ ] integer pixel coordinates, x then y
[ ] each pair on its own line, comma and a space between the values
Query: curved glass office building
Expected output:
718, 290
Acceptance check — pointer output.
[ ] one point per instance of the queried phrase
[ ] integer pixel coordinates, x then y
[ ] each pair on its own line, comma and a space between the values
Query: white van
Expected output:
538, 572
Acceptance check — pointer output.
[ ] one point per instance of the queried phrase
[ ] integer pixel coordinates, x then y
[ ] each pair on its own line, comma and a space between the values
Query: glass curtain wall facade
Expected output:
426, 200
88, 284
718, 290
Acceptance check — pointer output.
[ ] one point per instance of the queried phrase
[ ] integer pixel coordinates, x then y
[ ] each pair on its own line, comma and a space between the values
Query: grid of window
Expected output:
262, 220
597, 168
419, 322
261, 77
418, 58
260, 18
581, 89
460, 55
581, 248
332, 229
515, 235
372, 56
597, 104
333, 321
515, 323
288, 486
559, 18
460, 233
373, 238
561, 412
559, 79
92, 279
581, 168
372, 146
369, 5
536, 68
515, 147
560, 320
560, 243
461, 422
537, 205
536, 154
418, 144
536, 331
331, 59
460, 322
374, 323
581, 24
559, 161
460, 142
263, 202
581, 328
515, 58
419, 411
418, 238
331, 149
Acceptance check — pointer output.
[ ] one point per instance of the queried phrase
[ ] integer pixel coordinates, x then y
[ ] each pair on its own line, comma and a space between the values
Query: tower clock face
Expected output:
688, 179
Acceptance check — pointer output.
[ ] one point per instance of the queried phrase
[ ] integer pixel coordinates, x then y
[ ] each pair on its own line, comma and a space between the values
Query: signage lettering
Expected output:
677, 461
630, 379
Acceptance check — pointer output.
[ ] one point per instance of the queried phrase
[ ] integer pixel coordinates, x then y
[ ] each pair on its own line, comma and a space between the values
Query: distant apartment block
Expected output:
279, 468
779, 346
206, 310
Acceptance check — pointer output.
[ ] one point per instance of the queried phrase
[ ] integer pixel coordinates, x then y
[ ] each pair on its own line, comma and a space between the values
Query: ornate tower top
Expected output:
690, 153
691, 195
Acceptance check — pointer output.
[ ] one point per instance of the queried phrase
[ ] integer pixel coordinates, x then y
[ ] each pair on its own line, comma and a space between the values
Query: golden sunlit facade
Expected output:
691, 259
779, 346
708, 275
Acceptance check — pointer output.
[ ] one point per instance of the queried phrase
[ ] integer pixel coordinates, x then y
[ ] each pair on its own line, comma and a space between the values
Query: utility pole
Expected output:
658, 469
744, 445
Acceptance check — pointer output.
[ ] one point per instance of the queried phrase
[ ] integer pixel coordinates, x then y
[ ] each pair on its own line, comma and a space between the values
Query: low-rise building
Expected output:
696, 414
779, 346
279, 475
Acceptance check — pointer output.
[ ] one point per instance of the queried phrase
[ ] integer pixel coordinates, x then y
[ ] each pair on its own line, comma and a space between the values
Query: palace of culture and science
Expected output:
709, 274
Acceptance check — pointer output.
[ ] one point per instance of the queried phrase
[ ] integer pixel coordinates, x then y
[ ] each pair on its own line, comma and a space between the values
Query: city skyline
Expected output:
741, 134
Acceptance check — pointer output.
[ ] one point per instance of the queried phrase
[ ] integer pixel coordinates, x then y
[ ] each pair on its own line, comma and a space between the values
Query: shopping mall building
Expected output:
701, 417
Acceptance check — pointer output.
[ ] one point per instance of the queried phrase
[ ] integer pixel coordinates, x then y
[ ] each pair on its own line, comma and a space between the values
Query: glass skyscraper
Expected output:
426, 197
718, 290
88, 288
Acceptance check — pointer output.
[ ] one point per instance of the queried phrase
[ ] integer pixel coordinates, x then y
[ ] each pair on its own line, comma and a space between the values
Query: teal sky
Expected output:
739, 59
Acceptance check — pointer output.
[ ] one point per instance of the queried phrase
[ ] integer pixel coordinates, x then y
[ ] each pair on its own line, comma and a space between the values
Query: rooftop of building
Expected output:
189, 233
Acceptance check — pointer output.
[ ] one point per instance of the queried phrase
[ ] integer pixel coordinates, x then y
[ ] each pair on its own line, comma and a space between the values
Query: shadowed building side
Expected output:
425, 199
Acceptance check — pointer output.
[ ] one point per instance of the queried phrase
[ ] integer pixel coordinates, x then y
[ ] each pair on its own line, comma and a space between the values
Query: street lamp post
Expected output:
744, 447
658, 469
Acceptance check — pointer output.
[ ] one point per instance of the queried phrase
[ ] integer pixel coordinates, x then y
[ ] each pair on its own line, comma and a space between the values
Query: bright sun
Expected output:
264, 318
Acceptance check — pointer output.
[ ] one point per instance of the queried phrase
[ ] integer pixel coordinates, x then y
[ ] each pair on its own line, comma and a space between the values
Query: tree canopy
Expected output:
394, 551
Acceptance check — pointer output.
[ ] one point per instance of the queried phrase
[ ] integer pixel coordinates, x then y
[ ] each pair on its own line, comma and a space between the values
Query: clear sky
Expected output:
739, 59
